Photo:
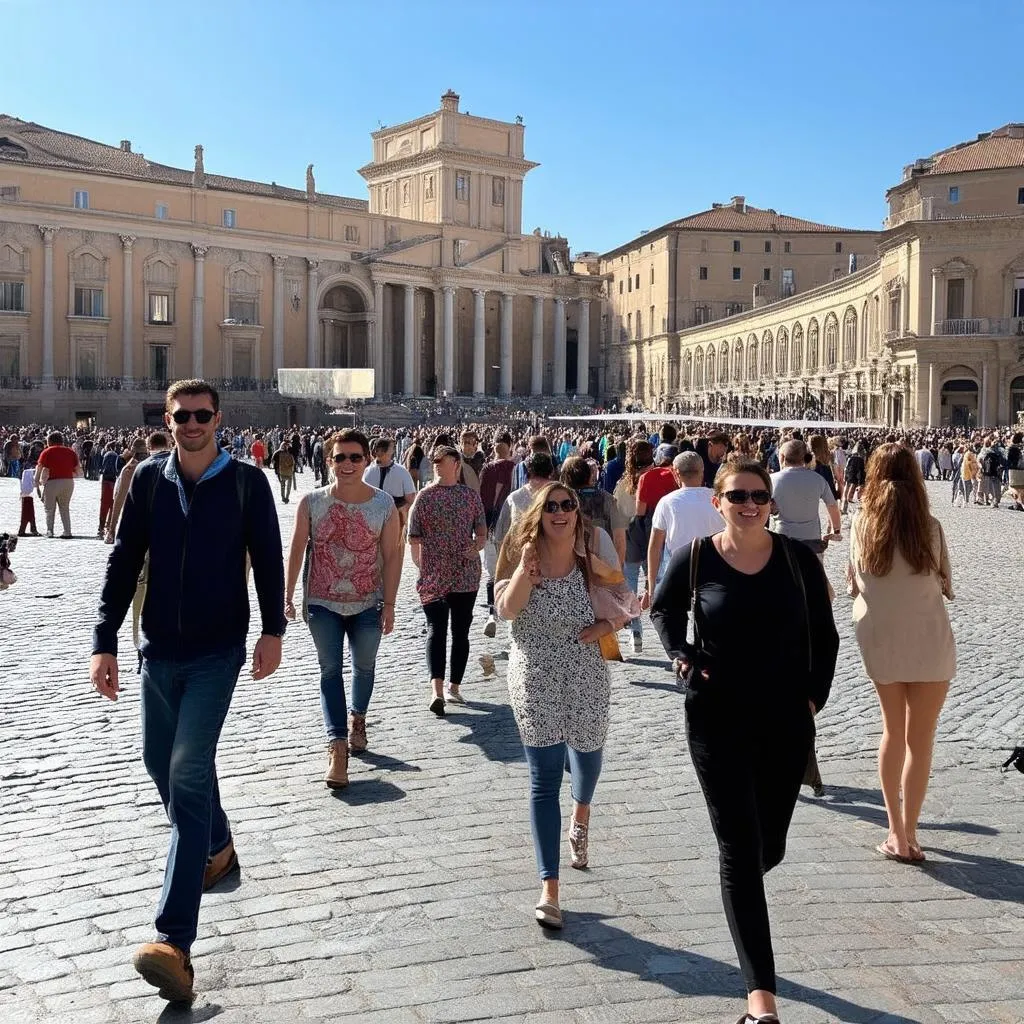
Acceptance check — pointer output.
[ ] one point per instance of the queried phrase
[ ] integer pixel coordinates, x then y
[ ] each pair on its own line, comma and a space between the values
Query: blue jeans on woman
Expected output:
631, 570
547, 765
184, 704
329, 630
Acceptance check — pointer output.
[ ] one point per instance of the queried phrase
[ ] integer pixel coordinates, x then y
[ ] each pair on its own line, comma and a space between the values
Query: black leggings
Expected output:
460, 606
750, 765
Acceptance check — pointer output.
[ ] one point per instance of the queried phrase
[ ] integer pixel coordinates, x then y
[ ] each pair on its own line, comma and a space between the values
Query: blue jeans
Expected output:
14, 468
329, 630
184, 704
631, 570
547, 765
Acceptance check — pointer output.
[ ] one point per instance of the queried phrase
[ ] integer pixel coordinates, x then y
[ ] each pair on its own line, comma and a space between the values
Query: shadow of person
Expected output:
494, 731
691, 974
644, 685
185, 1013
229, 883
384, 763
368, 790
989, 878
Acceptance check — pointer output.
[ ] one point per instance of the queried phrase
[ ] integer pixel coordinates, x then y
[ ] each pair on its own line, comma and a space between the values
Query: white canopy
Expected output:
661, 417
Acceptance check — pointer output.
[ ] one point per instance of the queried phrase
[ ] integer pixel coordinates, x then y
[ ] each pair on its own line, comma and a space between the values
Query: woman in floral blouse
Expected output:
447, 532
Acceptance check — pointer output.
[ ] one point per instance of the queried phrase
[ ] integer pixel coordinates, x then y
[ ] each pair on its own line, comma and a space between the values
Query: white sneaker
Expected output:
638, 643
491, 627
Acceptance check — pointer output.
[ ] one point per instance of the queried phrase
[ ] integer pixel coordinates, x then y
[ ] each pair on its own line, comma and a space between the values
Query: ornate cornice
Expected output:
451, 155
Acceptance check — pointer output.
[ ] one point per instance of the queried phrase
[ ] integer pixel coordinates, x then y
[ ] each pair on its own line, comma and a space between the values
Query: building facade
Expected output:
118, 274
925, 328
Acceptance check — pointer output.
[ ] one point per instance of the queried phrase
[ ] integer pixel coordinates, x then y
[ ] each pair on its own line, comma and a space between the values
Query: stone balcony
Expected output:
964, 326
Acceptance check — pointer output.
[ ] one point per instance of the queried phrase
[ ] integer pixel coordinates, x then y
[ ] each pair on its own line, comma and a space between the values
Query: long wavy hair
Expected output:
818, 444
528, 529
639, 456
894, 513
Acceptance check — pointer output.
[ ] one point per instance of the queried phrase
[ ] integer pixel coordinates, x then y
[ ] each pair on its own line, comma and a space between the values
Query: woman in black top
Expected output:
750, 706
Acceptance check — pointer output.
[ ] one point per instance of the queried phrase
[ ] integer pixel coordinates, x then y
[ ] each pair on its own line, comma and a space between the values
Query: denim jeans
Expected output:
958, 488
184, 704
14, 468
631, 570
547, 765
329, 630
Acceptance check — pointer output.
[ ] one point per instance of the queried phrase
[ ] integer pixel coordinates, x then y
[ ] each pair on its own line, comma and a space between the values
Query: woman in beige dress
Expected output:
899, 574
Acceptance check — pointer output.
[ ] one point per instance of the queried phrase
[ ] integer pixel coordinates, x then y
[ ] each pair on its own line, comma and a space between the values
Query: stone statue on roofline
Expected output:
310, 184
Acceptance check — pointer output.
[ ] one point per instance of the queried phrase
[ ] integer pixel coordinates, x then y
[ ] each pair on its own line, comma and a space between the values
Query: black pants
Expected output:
460, 608
750, 763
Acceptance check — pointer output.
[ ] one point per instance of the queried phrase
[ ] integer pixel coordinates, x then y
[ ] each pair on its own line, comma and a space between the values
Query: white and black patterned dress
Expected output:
559, 689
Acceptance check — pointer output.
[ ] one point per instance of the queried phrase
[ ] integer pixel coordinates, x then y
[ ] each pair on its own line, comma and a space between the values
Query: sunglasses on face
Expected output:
182, 416
355, 458
742, 497
565, 505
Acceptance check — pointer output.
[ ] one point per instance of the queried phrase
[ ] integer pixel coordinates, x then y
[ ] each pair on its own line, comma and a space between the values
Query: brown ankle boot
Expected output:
356, 733
166, 968
220, 865
337, 764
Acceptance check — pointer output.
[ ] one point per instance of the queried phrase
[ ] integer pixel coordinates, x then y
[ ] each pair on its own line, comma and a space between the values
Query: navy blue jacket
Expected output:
197, 601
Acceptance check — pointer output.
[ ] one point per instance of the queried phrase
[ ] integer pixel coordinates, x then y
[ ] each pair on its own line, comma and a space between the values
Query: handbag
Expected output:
611, 598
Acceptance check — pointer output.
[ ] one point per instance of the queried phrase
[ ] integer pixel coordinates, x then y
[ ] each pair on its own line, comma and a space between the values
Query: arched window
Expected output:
737, 361
850, 336
812, 346
796, 356
831, 341
767, 354
752, 359
709, 369
782, 353
864, 332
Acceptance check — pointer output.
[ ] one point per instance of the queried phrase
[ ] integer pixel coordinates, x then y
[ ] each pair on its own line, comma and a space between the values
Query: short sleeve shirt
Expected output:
444, 519
654, 485
60, 460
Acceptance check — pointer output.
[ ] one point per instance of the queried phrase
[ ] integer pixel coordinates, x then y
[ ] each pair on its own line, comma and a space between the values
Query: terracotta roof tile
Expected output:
749, 218
984, 154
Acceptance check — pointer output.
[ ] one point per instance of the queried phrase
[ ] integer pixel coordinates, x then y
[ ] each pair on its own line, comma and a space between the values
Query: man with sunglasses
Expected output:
197, 513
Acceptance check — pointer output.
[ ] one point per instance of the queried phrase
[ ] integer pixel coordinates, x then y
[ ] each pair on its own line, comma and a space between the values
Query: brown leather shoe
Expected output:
356, 733
166, 968
220, 865
337, 764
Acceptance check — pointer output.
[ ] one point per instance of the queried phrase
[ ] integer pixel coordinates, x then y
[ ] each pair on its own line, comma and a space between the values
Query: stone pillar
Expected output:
937, 304
48, 234
537, 347
983, 404
558, 372
278, 337
479, 342
198, 308
378, 338
409, 341
507, 309
583, 350
312, 325
931, 395
449, 339
127, 315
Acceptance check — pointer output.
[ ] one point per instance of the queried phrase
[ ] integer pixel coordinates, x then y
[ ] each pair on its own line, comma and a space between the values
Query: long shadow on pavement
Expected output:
691, 974
385, 763
494, 732
368, 790
182, 1013
644, 685
988, 878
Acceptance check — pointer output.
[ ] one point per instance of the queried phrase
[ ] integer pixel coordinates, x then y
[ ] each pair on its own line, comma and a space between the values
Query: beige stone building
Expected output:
927, 329
118, 274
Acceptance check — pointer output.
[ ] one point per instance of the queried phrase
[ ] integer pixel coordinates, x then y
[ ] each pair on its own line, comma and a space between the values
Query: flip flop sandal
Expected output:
890, 854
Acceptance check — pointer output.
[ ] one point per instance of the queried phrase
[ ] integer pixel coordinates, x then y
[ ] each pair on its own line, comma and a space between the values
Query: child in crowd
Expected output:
28, 502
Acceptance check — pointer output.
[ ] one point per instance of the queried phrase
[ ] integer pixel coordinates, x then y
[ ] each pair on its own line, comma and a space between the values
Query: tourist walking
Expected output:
558, 682
639, 460
759, 668
447, 532
495, 487
899, 576
352, 533
198, 513
283, 464
28, 502
110, 470
56, 470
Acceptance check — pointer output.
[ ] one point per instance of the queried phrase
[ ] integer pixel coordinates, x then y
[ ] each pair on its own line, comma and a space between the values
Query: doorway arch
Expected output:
1016, 399
959, 403
344, 328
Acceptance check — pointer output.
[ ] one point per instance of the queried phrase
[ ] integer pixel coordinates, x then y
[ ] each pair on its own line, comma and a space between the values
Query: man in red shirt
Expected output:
258, 451
658, 481
56, 470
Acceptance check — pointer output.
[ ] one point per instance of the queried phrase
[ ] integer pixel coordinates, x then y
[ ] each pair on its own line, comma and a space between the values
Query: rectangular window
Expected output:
1020, 196
638, 282
159, 308
228, 218
702, 273
629, 283
736, 273
497, 191
702, 314
620, 287
10, 361
787, 247
9, 193
652, 275
351, 233
242, 360
159, 363
955, 298
767, 274
462, 187
703, 245
788, 283
736, 245
894, 313
767, 246
652, 319
629, 325
1018, 296
162, 211
242, 311
839, 246
12, 296
81, 200
88, 302
733, 308
954, 193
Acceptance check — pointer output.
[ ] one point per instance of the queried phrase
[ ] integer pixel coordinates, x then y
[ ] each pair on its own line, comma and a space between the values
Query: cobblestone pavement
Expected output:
408, 896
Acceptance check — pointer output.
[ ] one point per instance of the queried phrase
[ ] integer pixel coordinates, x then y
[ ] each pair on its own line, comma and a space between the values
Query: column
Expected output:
449, 339
937, 311
312, 327
409, 341
378, 339
479, 343
983, 405
583, 350
198, 308
558, 372
48, 234
931, 394
537, 347
278, 337
127, 317
507, 309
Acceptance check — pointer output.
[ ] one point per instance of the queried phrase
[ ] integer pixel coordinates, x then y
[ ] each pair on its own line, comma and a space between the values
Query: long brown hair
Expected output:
639, 456
527, 530
894, 513
818, 444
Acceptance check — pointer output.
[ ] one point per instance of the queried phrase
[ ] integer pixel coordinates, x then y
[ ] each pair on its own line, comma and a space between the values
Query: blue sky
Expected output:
637, 112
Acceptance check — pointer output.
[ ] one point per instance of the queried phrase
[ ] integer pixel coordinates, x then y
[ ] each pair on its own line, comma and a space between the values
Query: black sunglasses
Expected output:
565, 505
354, 458
742, 497
182, 416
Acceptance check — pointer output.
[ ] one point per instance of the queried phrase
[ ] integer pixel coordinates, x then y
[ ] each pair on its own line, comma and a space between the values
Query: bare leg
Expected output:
891, 756
924, 703
761, 1002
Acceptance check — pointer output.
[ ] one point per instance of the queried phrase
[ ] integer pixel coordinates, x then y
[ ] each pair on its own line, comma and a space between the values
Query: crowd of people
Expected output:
573, 533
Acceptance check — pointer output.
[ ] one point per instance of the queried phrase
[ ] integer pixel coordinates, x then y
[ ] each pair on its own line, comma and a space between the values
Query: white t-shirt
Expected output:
28, 481
397, 481
685, 514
